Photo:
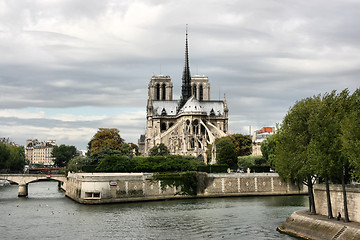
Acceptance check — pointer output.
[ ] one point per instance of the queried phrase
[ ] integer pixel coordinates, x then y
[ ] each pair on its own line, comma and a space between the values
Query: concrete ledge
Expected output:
304, 225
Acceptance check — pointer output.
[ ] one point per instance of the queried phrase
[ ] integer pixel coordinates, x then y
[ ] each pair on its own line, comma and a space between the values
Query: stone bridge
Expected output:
24, 179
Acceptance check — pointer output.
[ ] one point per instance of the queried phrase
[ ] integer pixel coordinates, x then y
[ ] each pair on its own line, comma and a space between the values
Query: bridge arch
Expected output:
24, 179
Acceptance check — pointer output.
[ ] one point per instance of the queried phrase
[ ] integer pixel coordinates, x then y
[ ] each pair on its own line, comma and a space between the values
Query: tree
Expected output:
291, 150
126, 150
105, 138
159, 150
16, 161
268, 149
4, 155
350, 128
225, 153
77, 163
12, 158
63, 154
242, 144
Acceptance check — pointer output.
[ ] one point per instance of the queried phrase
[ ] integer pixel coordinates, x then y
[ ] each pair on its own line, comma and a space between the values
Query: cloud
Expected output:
60, 57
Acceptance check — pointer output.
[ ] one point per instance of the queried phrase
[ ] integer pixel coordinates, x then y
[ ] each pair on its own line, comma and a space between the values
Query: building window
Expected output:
157, 91
163, 126
201, 97
194, 91
163, 92
92, 195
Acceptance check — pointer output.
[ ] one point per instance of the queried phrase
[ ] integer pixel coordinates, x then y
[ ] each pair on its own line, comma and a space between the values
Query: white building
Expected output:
258, 137
39, 152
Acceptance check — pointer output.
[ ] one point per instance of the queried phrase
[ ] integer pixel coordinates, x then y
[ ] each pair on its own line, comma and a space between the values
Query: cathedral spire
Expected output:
186, 77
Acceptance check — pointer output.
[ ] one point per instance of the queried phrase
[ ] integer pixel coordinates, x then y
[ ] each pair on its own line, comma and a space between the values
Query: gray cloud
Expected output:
264, 55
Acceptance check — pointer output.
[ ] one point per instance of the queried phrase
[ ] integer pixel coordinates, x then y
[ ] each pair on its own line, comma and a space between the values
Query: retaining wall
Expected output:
336, 195
306, 226
97, 188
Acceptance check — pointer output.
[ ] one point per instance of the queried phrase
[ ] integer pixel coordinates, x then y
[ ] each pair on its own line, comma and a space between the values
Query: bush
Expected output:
213, 168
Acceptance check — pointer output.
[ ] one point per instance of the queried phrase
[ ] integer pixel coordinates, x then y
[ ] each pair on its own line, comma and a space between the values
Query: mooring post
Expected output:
23, 190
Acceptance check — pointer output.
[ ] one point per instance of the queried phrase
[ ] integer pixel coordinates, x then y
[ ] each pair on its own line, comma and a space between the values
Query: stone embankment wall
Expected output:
97, 188
307, 226
336, 195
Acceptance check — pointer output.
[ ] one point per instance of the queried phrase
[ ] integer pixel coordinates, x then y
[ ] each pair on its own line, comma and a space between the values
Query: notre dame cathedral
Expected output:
186, 126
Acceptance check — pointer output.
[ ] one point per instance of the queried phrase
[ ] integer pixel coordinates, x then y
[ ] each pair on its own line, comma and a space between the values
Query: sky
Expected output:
70, 67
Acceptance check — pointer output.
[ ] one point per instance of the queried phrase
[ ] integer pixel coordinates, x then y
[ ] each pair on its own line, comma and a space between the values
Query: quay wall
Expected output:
98, 188
304, 225
336, 195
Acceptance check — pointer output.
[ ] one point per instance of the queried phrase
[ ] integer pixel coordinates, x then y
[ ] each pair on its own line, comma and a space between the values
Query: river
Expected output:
47, 214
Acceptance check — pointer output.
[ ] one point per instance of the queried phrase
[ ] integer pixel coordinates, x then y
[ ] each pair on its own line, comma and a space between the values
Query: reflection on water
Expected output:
46, 213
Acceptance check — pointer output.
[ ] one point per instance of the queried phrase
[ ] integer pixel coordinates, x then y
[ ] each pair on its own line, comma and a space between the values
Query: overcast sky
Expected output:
69, 67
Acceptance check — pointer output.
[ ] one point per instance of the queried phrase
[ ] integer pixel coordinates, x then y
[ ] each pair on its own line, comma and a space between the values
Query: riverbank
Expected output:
305, 225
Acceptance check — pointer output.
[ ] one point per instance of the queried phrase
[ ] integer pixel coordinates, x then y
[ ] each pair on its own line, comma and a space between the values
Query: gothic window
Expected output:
196, 126
192, 143
157, 92
203, 129
201, 97
212, 112
163, 91
194, 91
163, 126
170, 125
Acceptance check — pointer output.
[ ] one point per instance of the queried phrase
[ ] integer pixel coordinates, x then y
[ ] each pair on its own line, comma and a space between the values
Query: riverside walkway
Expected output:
24, 179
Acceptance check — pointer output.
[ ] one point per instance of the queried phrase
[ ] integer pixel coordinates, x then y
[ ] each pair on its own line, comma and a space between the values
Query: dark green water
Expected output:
47, 214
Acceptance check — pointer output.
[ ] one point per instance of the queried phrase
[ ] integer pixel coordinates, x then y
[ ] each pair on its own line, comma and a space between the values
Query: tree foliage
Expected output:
318, 137
170, 163
63, 154
242, 144
105, 138
225, 152
12, 158
293, 139
268, 149
159, 150
350, 128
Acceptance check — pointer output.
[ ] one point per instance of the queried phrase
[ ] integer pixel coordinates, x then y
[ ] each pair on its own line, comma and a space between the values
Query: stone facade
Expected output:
186, 126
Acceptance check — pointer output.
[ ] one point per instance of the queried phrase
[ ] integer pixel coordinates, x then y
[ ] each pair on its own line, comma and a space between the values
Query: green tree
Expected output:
4, 155
268, 149
350, 127
135, 148
63, 154
12, 158
242, 144
225, 153
291, 150
327, 159
105, 138
16, 160
77, 163
159, 150
126, 149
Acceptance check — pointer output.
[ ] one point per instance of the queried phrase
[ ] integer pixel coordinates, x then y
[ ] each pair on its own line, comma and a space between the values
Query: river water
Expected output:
47, 214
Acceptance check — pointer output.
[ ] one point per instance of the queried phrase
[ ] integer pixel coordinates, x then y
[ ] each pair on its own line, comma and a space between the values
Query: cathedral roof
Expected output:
169, 108
192, 105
